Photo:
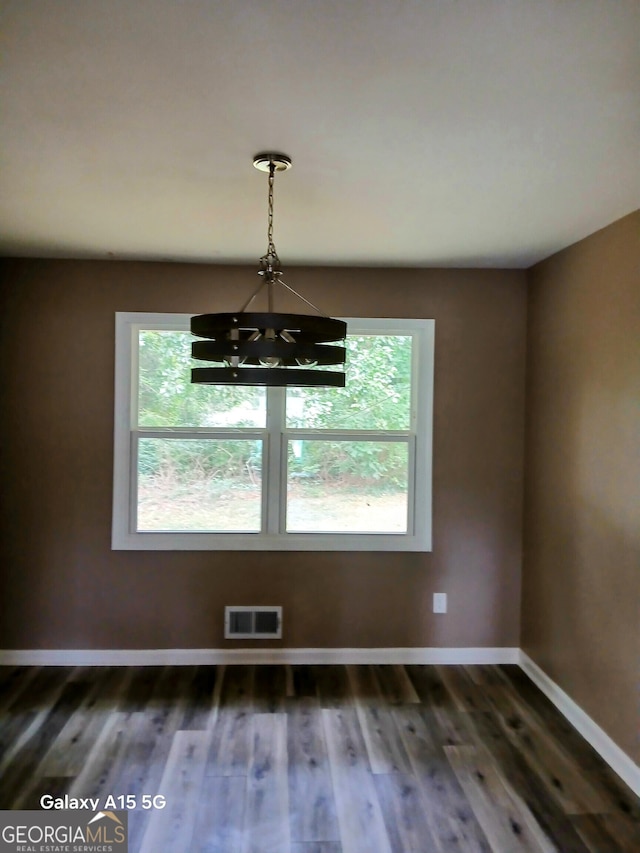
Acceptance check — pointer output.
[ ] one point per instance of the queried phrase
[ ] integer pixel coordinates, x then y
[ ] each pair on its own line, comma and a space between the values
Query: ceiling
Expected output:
441, 133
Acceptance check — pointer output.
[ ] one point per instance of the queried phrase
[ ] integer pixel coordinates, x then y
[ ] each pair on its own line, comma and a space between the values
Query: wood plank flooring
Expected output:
315, 759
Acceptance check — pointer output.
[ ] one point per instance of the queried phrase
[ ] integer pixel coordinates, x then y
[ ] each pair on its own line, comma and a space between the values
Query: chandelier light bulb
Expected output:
270, 361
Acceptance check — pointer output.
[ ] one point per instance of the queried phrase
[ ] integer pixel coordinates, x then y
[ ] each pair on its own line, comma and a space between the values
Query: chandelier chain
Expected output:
272, 255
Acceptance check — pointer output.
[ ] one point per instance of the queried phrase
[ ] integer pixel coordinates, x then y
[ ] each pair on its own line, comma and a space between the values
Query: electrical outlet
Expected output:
439, 602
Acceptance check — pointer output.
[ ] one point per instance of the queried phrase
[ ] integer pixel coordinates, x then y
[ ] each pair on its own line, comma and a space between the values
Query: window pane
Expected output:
166, 396
377, 393
195, 484
347, 486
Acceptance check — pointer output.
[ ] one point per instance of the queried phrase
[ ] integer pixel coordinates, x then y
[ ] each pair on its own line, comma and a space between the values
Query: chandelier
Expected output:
269, 348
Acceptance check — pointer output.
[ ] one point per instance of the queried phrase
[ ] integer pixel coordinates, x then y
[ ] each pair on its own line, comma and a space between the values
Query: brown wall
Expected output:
581, 580
61, 586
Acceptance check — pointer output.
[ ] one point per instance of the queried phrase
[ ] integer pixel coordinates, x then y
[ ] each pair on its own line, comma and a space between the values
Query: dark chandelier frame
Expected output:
269, 348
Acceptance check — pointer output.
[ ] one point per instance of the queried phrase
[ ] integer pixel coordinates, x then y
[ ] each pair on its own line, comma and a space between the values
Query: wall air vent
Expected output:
253, 623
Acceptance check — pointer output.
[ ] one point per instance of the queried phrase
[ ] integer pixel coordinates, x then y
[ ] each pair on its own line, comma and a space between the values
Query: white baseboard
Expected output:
182, 657
615, 757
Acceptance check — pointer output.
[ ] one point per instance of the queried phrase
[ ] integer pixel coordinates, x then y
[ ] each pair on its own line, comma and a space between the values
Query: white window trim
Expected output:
418, 537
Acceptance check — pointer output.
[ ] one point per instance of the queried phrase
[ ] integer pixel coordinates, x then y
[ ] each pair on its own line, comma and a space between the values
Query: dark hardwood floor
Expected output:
315, 759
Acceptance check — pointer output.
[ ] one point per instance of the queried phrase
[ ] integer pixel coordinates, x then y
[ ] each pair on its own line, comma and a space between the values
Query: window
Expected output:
248, 468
